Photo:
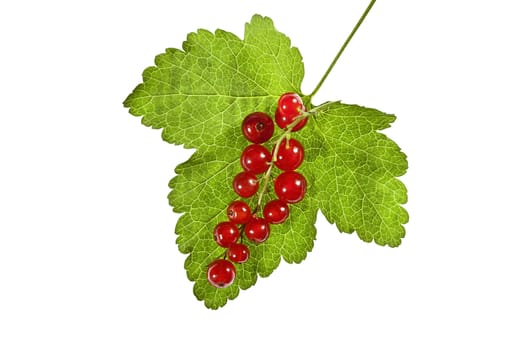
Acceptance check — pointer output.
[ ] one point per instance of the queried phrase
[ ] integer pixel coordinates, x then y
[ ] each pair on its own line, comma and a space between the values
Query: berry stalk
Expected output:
286, 135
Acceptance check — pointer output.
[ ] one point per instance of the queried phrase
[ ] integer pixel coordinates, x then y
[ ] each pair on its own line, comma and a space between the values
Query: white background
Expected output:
88, 258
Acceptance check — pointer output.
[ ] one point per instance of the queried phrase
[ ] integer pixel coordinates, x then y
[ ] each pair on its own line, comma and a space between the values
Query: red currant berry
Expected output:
276, 211
290, 106
290, 155
238, 253
226, 233
238, 212
221, 273
290, 103
283, 121
290, 186
245, 184
257, 127
255, 158
257, 230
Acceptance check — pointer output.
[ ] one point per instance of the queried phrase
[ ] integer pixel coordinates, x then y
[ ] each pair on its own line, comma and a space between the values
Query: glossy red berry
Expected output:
221, 273
245, 184
276, 211
226, 233
257, 127
255, 158
238, 212
290, 155
284, 121
238, 253
257, 230
290, 186
290, 106
290, 103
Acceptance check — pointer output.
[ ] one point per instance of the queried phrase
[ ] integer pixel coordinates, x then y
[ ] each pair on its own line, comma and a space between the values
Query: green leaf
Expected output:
355, 170
199, 97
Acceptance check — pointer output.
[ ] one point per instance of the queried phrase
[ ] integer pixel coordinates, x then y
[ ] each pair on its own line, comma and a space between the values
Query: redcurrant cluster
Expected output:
257, 163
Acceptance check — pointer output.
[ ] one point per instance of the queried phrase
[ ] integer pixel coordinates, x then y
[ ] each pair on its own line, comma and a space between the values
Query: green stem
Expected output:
333, 63
266, 178
319, 107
